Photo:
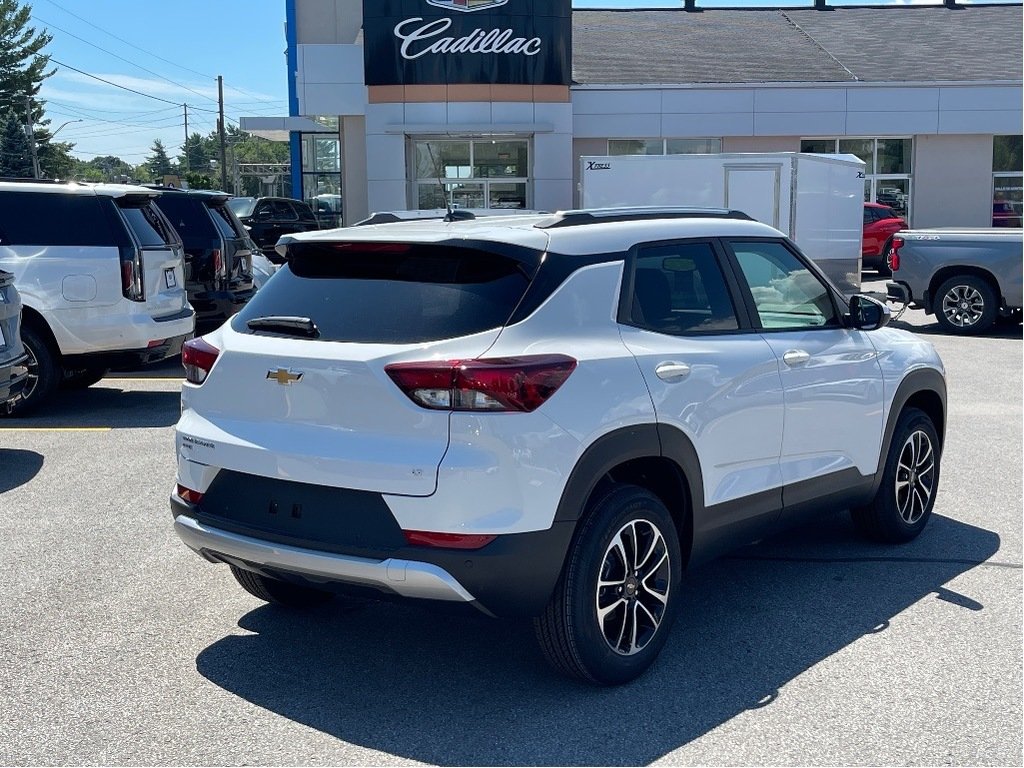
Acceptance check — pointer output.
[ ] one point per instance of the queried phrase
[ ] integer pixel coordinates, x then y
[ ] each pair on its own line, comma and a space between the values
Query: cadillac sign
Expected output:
442, 42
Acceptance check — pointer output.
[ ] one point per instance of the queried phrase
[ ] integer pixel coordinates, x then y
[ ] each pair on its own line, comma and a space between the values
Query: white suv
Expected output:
101, 275
548, 417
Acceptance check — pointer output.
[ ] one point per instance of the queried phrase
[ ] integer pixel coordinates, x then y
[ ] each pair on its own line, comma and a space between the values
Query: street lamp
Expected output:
69, 122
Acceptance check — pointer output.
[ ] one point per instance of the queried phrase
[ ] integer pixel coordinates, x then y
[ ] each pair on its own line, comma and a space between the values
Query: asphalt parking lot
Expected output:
119, 646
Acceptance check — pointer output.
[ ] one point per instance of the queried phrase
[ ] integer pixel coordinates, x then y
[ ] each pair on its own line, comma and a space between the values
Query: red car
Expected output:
880, 223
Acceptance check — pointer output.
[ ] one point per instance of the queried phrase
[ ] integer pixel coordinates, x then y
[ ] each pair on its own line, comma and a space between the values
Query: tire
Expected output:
44, 373
884, 270
904, 501
81, 378
279, 592
638, 611
965, 304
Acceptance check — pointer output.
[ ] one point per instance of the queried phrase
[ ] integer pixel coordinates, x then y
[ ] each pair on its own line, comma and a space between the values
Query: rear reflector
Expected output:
198, 358
187, 494
447, 540
497, 384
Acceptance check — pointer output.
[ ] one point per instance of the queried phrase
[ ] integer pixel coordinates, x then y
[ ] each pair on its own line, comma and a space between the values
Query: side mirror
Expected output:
868, 314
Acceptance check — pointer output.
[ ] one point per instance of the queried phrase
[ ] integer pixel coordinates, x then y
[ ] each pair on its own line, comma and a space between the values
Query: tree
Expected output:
197, 153
15, 150
23, 68
158, 164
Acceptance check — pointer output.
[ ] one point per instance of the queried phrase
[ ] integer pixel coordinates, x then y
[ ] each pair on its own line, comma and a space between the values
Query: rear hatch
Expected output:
299, 389
159, 270
237, 254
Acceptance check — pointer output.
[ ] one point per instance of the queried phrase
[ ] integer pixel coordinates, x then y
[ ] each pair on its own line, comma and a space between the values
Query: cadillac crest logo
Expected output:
466, 5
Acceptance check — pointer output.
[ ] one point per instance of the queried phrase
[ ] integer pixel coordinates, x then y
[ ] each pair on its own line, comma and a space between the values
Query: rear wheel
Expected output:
614, 605
43, 373
966, 304
279, 592
906, 496
81, 378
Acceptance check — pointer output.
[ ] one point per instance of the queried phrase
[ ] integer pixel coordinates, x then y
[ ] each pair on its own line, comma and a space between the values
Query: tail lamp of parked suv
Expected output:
499, 384
133, 286
198, 357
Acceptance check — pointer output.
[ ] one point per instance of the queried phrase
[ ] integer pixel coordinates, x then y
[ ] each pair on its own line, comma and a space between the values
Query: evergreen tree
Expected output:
158, 164
15, 150
198, 151
23, 68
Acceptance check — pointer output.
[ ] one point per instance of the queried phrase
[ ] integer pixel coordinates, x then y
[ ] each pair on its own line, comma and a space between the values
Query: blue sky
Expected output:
173, 50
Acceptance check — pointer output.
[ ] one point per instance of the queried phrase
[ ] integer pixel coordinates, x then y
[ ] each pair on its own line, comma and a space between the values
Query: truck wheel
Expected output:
965, 304
43, 373
81, 378
618, 595
279, 592
910, 479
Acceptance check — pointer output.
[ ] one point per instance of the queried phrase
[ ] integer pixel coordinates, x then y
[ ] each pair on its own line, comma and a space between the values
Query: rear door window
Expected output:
144, 220
228, 226
44, 218
392, 294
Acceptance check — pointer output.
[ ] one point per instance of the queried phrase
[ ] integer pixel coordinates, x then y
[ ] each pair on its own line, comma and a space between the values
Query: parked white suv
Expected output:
100, 272
547, 417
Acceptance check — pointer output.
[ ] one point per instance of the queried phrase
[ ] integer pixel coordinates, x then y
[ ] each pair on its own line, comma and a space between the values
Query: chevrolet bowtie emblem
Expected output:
284, 377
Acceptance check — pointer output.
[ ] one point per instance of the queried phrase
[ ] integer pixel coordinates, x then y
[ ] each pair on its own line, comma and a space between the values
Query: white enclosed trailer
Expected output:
816, 200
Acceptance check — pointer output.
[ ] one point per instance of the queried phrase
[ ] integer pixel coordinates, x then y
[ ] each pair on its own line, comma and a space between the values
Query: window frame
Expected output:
997, 176
839, 305
726, 266
416, 182
664, 145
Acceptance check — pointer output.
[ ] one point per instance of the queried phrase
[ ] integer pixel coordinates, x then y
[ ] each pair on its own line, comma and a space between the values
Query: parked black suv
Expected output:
218, 258
267, 218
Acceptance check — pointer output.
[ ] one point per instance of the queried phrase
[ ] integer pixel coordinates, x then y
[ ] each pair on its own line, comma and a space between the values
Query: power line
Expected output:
124, 87
122, 58
161, 58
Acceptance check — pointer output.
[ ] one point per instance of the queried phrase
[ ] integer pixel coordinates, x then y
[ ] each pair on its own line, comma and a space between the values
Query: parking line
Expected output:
144, 378
55, 429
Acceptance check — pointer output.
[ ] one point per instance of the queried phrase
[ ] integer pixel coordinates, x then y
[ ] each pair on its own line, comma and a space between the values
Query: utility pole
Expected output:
30, 130
220, 131
185, 147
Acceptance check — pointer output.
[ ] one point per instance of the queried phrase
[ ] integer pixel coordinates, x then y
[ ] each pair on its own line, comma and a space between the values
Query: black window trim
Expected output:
725, 264
839, 304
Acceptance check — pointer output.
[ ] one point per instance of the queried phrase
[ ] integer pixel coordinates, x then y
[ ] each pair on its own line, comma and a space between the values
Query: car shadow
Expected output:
475, 691
18, 467
103, 405
997, 331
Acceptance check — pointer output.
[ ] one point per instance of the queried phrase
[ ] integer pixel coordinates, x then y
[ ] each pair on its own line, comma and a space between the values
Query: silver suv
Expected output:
546, 416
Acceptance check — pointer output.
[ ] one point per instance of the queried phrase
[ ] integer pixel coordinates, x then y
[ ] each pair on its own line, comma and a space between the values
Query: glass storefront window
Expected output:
664, 146
693, 146
497, 173
321, 176
888, 167
1007, 182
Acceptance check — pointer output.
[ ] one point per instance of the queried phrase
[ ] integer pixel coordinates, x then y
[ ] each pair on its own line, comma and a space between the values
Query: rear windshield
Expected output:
392, 294
187, 216
145, 222
242, 206
226, 223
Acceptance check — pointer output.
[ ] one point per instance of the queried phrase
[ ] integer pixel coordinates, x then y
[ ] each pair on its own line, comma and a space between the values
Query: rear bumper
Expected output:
129, 358
13, 376
402, 577
215, 307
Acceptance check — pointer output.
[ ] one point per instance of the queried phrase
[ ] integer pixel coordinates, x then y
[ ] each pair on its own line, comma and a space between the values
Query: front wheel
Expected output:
910, 479
965, 304
614, 605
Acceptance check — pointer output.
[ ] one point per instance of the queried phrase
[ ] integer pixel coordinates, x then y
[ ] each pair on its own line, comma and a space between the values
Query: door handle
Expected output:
796, 357
672, 372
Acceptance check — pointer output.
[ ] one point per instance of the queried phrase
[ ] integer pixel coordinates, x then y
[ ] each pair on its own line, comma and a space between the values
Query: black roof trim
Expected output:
579, 218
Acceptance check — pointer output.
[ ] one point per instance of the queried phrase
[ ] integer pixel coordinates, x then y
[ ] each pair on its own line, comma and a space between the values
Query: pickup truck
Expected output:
967, 278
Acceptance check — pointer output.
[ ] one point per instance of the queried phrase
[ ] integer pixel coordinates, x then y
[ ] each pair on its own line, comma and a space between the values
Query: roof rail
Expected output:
20, 180
640, 213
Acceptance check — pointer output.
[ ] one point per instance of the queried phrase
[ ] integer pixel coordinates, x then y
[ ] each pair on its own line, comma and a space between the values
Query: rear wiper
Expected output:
293, 326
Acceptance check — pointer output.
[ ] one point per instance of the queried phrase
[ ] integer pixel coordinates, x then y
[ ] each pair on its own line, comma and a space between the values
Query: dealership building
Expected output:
496, 101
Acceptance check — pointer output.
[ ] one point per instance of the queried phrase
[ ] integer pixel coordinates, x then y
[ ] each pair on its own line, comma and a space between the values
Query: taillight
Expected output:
893, 258
198, 358
132, 284
498, 384
446, 540
187, 494
219, 268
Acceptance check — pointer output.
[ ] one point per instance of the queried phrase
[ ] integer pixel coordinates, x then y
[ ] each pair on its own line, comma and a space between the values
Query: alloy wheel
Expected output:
915, 477
32, 368
963, 305
633, 587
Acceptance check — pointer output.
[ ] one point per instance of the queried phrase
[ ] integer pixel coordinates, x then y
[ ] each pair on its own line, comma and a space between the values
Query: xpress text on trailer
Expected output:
816, 200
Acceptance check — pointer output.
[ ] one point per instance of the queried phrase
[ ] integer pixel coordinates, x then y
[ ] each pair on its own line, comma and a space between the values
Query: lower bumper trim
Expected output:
407, 578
